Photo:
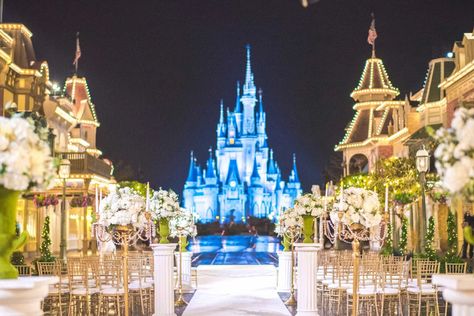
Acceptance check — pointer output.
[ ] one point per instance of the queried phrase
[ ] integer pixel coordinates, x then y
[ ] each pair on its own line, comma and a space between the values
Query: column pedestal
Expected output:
163, 279
306, 280
458, 291
23, 296
186, 272
284, 271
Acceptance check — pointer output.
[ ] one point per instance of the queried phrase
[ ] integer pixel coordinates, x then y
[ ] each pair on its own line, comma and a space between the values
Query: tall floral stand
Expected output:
23, 296
284, 271
163, 279
458, 291
186, 256
306, 281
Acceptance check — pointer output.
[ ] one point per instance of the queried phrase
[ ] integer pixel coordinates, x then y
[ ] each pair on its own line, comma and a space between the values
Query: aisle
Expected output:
229, 290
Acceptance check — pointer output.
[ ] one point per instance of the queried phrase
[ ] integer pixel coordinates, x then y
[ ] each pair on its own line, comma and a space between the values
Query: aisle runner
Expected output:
236, 290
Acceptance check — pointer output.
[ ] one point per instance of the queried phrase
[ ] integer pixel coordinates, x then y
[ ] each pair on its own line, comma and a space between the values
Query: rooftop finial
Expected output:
294, 158
372, 35
249, 87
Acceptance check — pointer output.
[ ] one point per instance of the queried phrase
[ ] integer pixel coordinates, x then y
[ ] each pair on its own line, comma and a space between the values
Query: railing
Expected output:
84, 163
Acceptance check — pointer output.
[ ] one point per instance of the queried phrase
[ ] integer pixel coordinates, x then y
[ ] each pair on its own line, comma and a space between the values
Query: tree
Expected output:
46, 255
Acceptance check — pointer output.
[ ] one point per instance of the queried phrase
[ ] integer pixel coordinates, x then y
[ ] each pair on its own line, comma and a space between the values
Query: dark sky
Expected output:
157, 69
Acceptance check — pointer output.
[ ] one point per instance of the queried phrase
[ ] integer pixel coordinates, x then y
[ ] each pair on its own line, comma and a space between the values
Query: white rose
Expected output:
456, 177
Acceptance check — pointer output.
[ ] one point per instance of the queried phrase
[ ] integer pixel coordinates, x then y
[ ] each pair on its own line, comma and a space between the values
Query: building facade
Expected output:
241, 178
25, 86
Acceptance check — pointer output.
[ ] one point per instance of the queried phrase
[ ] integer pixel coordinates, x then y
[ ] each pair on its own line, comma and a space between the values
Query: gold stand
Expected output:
355, 276
291, 301
180, 300
123, 235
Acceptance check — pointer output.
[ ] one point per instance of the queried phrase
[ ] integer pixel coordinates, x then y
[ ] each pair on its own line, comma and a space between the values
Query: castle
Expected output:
244, 178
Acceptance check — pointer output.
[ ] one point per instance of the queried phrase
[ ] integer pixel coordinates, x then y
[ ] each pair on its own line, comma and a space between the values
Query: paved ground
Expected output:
235, 258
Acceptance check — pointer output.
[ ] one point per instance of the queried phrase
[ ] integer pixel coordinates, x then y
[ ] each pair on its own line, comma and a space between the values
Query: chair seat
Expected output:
389, 291
423, 290
342, 286
82, 291
363, 291
112, 291
136, 285
52, 290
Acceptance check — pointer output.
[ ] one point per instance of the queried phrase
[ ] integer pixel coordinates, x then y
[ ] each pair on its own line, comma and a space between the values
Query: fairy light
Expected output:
382, 121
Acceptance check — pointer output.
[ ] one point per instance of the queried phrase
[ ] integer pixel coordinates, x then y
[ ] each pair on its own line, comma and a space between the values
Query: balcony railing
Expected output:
84, 163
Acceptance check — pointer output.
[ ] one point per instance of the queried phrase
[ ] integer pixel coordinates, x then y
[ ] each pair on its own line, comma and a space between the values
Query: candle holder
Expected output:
124, 236
293, 233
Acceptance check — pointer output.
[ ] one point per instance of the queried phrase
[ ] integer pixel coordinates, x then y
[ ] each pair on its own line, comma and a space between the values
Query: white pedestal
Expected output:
284, 271
23, 296
164, 284
458, 291
186, 272
306, 280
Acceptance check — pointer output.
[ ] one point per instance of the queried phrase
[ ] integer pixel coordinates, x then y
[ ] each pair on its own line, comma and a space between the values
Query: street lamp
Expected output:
423, 166
64, 172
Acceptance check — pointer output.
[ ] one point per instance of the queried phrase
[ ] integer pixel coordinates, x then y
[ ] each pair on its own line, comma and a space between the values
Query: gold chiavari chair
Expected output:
368, 282
57, 294
83, 286
111, 290
139, 287
23, 270
453, 268
391, 277
340, 283
424, 291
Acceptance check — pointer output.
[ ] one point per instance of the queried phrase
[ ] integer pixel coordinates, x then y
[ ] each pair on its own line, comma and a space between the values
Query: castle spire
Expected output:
260, 101
238, 108
221, 114
255, 177
192, 169
294, 171
271, 164
249, 86
210, 172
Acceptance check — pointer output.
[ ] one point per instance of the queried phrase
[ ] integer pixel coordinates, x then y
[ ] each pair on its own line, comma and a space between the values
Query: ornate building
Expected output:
243, 179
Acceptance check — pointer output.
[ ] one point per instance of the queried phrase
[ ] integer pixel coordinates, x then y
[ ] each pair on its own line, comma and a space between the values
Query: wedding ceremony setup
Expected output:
319, 208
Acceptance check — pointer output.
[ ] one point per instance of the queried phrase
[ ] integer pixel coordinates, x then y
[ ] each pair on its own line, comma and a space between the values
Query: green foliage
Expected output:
139, 187
387, 248
403, 236
429, 238
452, 235
46, 255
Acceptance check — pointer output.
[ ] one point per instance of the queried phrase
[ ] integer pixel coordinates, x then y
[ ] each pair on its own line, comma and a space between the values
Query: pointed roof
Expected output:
374, 81
84, 110
249, 86
238, 108
294, 171
191, 173
260, 101
221, 126
255, 177
438, 70
210, 172
233, 172
271, 164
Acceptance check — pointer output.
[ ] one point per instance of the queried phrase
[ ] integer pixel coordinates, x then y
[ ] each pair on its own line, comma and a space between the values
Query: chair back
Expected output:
23, 270
425, 270
455, 268
48, 268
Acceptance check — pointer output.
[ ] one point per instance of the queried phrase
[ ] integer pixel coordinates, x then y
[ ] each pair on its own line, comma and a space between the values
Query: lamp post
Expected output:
64, 173
423, 166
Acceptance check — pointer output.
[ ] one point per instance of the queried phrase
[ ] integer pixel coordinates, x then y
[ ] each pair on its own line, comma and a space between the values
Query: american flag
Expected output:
78, 52
372, 32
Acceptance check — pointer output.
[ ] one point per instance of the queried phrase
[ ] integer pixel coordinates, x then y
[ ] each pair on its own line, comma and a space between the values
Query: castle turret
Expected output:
238, 108
248, 99
191, 180
221, 127
210, 176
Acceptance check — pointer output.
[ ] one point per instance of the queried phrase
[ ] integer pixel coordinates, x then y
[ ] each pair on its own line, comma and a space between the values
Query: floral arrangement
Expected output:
182, 224
81, 201
25, 156
311, 204
455, 154
403, 198
288, 219
164, 204
360, 206
45, 200
438, 194
123, 207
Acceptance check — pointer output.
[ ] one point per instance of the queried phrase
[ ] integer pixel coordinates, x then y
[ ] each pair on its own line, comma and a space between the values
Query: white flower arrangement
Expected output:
455, 154
311, 204
287, 220
123, 207
164, 204
182, 224
25, 157
360, 206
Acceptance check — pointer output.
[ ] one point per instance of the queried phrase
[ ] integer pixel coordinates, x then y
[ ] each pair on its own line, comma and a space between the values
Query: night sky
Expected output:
157, 69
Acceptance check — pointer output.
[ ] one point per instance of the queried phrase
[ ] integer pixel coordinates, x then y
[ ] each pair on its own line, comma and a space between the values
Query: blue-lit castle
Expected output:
244, 178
